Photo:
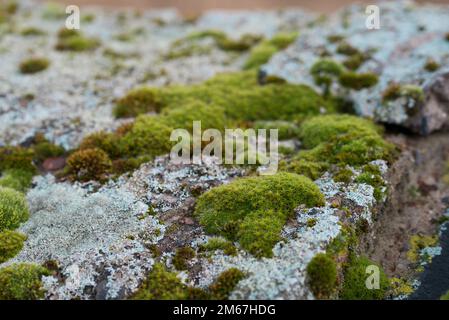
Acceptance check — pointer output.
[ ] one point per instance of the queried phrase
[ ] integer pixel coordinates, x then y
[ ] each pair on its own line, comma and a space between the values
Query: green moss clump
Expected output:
33, 65
211, 116
53, 11
137, 101
182, 256
261, 53
243, 208
344, 175
322, 276
355, 61
358, 81
11, 242
17, 179
216, 243
338, 140
259, 232
324, 72
225, 283
32, 32
238, 94
431, 65
108, 142
44, 149
13, 209
148, 136
22, 282
354, 286
73, 40
320, 129
189, 45
446, 295
286, 129
89, 164
161, 285
16, 158
346, 49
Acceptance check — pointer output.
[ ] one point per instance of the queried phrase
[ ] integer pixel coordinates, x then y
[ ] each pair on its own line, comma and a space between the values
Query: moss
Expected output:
45, 149
261, 53
161, 285
11, 243
216, 243
431, 65
108, 142
395, 91
326, 71
238, 94
246, 42
22, 282
371, 175
355, 61
32, 32
354, 286
65, 33
53, 11
73, 40
286, 129
78, 44
182, 257
322, 276
335, 38
260, 231
400, 287
417, 243
346, 49
33, 65
239, 209
311, 222
16, 158
321, 129
211, 116
88, 164
225, 283
13, 209
17, 179
189, 46
344, 175
338, 140
358, 81
148, 136
446, 295
137, 101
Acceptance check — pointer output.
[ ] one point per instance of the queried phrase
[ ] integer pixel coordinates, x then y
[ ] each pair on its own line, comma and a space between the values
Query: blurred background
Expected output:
192, 7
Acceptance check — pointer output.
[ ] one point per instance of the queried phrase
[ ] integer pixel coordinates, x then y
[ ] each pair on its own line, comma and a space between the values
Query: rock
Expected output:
397, 52
53, 164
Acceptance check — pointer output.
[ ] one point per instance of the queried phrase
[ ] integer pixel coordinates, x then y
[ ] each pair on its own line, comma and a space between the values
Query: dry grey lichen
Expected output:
409, 35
